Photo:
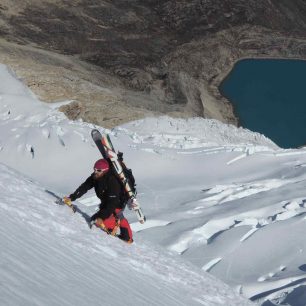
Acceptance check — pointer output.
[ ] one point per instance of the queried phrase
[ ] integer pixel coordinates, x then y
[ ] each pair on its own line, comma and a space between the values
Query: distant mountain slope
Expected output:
162, 56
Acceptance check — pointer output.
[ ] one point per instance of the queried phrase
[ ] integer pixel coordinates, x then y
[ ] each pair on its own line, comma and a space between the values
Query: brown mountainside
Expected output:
124, 59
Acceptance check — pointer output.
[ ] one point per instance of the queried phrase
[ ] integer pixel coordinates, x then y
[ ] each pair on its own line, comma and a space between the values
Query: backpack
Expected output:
124, 196
130, 178
127, 173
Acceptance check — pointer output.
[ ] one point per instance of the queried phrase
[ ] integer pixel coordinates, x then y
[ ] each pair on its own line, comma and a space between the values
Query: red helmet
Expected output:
101, 164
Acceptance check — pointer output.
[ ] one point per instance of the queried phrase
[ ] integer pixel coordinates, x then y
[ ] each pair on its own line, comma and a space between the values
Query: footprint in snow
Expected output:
61, 141
30, 149
46, 133
60, 132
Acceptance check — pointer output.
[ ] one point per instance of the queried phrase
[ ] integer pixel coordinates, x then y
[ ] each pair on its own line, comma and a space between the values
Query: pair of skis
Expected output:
108, 152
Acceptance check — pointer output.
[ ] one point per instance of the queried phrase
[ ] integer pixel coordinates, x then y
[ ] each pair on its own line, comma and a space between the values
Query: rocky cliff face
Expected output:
143, 57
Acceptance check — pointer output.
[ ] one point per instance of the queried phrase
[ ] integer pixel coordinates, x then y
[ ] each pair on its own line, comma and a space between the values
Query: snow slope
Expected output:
237, 211
217, 199
49, 257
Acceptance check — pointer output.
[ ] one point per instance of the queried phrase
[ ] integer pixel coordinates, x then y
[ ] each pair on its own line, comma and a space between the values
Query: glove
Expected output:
67, 201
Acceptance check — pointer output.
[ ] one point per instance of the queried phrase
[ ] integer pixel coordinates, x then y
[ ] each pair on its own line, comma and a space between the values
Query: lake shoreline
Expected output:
261, 87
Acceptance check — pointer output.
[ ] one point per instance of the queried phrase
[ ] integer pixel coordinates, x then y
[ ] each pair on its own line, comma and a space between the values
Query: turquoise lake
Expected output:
269, 97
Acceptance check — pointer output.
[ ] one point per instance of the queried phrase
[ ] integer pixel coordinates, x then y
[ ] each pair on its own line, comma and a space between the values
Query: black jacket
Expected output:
108, 189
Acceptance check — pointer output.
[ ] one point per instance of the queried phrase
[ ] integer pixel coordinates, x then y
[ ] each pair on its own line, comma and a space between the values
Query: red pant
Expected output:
125, 229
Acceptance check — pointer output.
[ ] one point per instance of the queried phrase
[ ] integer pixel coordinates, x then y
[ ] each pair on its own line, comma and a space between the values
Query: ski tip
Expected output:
95, 131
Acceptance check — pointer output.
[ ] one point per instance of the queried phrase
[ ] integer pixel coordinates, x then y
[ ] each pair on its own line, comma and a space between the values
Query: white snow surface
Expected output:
218, 199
